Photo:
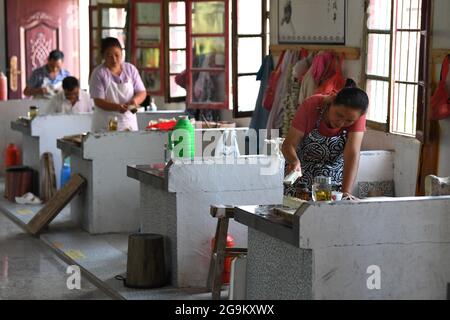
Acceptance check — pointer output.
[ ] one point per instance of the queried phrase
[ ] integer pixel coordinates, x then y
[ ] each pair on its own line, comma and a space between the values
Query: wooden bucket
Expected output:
146, 266
18, 181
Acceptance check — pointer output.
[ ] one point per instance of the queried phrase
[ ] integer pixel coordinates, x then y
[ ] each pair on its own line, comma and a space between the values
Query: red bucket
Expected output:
227, 265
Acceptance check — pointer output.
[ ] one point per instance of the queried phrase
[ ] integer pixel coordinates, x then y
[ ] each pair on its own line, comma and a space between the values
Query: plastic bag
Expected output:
223, 149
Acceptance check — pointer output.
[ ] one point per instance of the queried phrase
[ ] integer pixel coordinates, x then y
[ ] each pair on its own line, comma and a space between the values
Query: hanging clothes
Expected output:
275, 120
320, 67
440, 101
335, 81
302, 66
307, 88
291, 105
324, 76
447, 82
274, 77
298, 73
290, 91
260, 115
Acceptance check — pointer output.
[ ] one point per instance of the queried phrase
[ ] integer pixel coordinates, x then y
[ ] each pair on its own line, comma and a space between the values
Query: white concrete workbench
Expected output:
345, 250
40, 135
175, 202
110, 202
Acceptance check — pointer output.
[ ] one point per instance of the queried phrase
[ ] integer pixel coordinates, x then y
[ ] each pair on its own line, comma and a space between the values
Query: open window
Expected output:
106, 20
207, 54
249, 46
176, 48
396, 64
147, 43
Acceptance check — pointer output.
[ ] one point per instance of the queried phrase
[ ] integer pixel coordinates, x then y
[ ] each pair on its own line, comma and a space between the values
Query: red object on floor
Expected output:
227, 265
12, 156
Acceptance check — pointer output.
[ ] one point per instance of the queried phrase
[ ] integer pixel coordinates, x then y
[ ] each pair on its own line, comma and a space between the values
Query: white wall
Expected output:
406, 158
441, 39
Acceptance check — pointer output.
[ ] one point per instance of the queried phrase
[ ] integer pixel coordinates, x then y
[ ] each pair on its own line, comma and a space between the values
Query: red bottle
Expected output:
227, 265
3, 87
12, 156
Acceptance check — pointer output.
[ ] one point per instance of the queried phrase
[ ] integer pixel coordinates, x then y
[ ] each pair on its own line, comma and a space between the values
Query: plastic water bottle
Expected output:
65, 172
187, 150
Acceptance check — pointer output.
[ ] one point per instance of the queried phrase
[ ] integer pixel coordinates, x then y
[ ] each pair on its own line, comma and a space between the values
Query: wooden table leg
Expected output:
212, 262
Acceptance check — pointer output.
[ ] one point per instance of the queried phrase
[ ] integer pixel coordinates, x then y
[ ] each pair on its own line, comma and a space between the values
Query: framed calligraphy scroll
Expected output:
311, 21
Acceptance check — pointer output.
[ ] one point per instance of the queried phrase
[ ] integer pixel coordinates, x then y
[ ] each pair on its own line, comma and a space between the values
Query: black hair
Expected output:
56, 55
108, 43
70, 83
354, 98
350, 83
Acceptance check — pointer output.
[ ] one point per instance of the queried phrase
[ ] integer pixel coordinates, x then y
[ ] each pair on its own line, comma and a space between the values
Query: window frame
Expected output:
92, 44
161, 46
265, 14
167, 72
422, 94
370, 123
190, 69
95, 45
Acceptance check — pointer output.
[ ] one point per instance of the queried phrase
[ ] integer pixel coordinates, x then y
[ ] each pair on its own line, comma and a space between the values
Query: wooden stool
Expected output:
220, 251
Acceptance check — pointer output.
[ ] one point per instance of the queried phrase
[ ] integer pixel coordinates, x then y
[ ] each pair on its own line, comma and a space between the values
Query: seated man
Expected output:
45, 81
71, 99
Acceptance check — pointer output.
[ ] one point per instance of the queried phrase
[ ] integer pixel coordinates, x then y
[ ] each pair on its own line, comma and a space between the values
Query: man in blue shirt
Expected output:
46, 81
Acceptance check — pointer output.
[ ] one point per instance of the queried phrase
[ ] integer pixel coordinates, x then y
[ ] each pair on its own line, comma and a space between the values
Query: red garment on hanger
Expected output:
269, 94
440, 101
320, 66
336, 82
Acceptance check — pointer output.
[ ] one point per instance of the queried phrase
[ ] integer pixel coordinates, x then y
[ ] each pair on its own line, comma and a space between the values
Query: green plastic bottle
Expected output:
184, 124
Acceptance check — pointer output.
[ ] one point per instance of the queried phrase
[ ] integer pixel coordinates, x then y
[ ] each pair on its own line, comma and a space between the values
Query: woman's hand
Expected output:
289, 149
132, 102
294, 166
349, 196
122, 108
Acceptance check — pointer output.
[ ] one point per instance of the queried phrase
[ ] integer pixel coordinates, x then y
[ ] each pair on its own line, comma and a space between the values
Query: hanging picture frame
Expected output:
312, 21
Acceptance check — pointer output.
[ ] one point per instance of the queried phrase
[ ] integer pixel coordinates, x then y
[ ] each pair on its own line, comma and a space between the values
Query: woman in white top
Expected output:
115, 86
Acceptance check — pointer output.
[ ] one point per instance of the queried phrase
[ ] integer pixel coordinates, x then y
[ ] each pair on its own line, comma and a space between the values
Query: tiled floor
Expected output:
29, 270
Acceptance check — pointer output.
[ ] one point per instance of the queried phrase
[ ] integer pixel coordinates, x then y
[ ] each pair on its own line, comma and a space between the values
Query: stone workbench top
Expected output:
264, 219
211, 174
21, 125
290, 228
152, 174
70, 147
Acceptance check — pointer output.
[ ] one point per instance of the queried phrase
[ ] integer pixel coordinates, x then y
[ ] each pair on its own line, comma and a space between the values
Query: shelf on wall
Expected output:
350, 53
438, 55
